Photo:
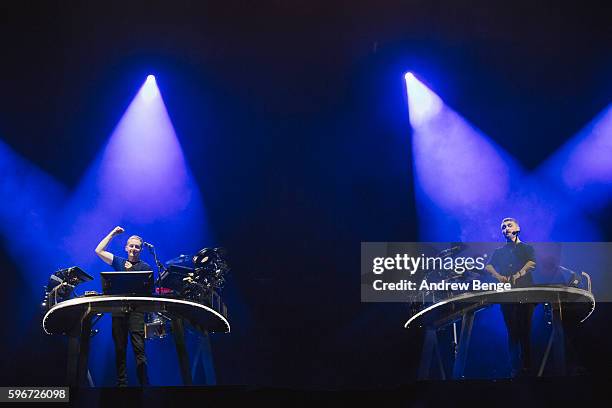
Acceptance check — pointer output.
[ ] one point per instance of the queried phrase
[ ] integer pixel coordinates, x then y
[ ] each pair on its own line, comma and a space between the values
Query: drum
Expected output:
157, 326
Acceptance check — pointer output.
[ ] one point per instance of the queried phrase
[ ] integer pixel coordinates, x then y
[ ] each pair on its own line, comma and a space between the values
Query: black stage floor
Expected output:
524, 392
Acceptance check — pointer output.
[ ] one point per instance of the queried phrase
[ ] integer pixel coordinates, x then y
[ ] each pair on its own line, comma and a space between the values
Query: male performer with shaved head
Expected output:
130, 322
514, 263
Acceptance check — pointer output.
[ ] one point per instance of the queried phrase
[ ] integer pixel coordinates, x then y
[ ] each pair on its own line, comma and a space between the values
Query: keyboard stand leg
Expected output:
73, 360
181, 350
78, 351
464, 343
559, 340
556, 342
84, 351
430, 347
204, 354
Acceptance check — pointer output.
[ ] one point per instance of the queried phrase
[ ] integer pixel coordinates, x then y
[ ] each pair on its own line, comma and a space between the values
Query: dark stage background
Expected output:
293, 119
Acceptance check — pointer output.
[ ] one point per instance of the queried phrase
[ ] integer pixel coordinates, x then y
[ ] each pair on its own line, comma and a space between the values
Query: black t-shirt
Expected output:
119, 265
510, 258
136, 319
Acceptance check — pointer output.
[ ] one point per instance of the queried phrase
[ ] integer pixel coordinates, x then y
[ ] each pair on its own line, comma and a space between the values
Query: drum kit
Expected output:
197, 278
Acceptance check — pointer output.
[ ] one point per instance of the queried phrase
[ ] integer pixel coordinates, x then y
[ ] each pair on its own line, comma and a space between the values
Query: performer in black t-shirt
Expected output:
131, 322
514, 263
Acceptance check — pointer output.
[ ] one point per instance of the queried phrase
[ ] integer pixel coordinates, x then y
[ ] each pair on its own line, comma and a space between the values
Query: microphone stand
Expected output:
160, 269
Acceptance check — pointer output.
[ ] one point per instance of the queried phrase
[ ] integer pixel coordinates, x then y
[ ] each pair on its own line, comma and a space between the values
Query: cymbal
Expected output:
179, 259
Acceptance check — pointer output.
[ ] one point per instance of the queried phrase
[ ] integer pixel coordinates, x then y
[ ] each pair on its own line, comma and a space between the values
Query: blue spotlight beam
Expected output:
31, 201
140, 181
582, 167
465, 183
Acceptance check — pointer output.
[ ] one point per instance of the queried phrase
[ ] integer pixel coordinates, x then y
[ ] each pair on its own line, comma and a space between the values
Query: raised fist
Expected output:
118, 230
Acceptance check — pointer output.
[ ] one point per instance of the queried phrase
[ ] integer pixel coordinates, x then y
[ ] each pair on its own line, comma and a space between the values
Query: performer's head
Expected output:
510, 229
133, 247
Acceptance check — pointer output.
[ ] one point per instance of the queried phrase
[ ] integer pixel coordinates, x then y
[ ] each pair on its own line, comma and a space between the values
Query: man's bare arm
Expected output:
101, 248
496, 274
529, 266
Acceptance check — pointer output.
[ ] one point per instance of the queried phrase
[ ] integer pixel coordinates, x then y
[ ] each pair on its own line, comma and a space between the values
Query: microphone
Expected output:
567, 269
452, 250
146, 244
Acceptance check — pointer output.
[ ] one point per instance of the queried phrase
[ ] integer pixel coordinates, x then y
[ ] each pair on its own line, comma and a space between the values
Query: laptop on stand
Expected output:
127, 283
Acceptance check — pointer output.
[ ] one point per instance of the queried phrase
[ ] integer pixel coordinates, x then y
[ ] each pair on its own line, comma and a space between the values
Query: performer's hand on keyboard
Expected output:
503, 279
